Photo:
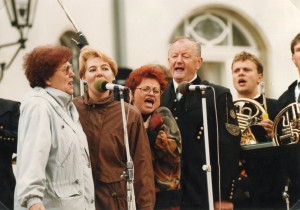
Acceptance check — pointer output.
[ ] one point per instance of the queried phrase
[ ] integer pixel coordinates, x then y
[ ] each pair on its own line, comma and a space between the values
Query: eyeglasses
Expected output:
146, 90
68, 69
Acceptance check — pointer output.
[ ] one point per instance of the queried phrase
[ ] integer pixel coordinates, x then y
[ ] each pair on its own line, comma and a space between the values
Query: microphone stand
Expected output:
207, 166
129, 172
82, 39
286, 196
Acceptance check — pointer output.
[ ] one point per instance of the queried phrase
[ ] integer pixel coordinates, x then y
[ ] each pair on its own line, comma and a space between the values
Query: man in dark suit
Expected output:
9, 118
224, 134
291, 95
263, 166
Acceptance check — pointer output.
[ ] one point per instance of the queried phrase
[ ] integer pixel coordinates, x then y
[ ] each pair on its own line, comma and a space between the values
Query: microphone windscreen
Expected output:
170, 122
99, 85
183, 87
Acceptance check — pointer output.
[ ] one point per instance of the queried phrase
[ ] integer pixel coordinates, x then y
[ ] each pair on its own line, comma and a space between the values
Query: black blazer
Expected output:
266, 178
287, 97
9, 118
189, 117
291, 153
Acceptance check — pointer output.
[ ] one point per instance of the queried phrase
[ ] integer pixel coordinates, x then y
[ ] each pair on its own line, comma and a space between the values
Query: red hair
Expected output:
41, 63
148, 71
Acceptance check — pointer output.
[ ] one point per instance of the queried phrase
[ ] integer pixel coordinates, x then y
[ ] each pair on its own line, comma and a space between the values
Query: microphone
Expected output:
82, 40
102, 85
185, 87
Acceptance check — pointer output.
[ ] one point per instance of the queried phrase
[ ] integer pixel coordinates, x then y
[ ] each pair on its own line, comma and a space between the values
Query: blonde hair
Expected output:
243, 56
88, 52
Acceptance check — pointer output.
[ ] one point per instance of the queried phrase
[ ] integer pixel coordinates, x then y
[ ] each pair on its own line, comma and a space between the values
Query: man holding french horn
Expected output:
287, 132
261, 182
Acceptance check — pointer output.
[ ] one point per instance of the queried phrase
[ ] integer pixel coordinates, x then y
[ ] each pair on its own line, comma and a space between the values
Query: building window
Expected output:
213, 29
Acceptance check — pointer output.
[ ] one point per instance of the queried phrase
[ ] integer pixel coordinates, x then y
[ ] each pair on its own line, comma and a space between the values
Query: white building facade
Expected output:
138, 32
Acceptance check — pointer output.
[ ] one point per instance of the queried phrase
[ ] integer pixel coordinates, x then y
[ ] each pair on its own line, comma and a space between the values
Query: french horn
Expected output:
286, 125
249, 113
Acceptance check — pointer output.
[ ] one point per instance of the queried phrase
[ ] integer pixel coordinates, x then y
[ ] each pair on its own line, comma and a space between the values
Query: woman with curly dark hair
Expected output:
147, 84
53, 168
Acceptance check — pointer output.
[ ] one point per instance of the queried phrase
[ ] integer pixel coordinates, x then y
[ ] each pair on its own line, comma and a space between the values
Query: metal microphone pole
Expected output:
129, 172
82, 39
286, 198
285, 195
207, 166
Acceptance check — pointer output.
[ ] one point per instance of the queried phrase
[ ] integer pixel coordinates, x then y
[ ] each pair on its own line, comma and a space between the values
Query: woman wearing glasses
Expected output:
53, 167
101, 119
147, 84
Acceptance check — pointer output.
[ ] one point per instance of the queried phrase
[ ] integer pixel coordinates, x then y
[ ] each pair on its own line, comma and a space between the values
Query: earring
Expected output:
85, 88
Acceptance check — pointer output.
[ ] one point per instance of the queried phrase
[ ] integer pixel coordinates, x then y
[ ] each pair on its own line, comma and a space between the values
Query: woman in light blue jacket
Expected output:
53, 166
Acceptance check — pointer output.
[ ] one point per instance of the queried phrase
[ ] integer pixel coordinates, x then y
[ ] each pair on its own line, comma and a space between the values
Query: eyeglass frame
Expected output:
67, 69
146, 90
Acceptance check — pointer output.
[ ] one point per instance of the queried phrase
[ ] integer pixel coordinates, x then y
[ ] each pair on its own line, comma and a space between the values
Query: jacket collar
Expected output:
87, 101
57, 99
293, 85
169, 95
196, 81
62, 98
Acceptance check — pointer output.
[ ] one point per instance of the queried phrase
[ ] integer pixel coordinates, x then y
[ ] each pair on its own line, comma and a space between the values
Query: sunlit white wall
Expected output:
149, 26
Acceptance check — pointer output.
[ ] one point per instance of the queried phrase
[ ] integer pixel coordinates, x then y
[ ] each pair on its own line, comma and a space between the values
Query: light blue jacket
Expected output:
53, 164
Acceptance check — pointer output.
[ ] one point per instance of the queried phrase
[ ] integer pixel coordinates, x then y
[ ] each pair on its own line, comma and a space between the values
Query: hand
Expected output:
223, 205
37, 206
267, 125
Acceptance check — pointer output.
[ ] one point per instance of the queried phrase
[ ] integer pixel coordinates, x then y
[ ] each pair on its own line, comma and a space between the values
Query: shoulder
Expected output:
289, 91
132, 113
169, 87
129, 108
271, 100
79, 104
219, 89
132, 108
7, 102
287, 97
36, 101
8, 105
78, 101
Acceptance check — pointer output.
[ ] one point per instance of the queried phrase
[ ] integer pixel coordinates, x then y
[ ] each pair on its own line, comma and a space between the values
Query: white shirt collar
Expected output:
176, 84
297, 89
257, 96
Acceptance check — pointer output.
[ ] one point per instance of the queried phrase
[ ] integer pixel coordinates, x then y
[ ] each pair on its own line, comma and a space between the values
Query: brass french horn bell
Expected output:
286, 125
249, 114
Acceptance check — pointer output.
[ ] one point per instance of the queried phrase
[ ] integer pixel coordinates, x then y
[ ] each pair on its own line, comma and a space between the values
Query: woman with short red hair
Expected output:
147, 84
